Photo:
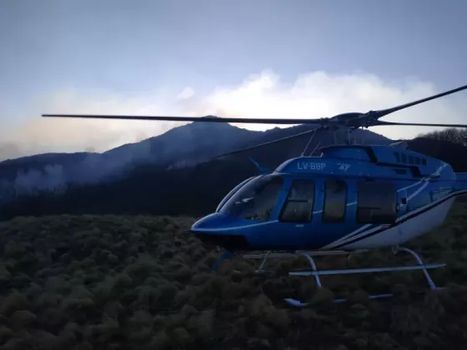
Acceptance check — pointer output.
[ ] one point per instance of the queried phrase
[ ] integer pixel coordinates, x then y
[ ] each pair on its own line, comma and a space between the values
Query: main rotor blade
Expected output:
282, 139
208, 118
351, 120
383, 123
383, 112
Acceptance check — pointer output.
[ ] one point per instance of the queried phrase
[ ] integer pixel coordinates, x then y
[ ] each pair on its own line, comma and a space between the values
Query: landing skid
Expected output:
316, 273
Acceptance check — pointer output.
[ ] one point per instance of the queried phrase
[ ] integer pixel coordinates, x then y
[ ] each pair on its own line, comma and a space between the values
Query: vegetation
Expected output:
453, 135
140, 282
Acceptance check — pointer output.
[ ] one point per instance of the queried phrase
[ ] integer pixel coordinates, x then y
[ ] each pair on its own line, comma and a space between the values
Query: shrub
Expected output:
203, 324
45, 340
103, 332
14, 249
78, 306
166, 294
14, 301
53, 318
140, 319
5, 333
277, 318
160, 341
259, 304
322, 296
180, 337
143, 267
4, 274
22, 318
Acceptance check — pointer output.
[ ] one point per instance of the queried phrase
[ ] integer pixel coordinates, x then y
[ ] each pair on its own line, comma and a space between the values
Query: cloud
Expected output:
38, 135
186, 93
320, 94
311, 95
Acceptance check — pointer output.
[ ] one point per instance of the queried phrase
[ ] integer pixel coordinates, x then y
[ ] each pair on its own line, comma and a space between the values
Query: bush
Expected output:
22, 318
181, 337
14, 301
116, 282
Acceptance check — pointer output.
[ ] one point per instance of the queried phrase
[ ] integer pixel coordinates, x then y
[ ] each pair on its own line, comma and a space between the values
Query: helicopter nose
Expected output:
214, 230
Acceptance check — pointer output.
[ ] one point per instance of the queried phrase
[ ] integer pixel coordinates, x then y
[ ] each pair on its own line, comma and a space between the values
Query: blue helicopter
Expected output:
349, 198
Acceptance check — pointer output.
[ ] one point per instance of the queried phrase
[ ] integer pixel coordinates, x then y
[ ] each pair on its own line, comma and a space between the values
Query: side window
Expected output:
376, 203
299, 204
334, 201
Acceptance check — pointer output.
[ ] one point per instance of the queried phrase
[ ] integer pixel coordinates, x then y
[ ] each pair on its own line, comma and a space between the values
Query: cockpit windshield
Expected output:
256, 199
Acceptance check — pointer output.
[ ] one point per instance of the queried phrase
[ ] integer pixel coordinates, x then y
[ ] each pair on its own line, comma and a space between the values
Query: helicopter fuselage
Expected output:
350, 197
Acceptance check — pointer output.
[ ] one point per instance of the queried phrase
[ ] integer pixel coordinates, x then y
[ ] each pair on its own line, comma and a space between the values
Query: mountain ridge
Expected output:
57, 182
182, 146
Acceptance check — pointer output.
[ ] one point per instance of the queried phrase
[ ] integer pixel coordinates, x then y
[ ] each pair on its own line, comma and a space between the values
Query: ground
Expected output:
140, 282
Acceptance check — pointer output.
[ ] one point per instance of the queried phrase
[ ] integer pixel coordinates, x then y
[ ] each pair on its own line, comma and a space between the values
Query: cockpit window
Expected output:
256, 199
232, 192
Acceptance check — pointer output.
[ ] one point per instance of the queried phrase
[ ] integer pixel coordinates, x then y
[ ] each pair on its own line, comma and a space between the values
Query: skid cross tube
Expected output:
263, 262
315, 272
368, 270
315, 269
420, 262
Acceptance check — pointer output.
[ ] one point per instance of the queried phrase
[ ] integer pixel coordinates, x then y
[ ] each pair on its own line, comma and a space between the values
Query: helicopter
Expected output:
350, 198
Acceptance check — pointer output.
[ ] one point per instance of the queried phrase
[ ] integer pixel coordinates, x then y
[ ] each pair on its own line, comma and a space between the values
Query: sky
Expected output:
252, 58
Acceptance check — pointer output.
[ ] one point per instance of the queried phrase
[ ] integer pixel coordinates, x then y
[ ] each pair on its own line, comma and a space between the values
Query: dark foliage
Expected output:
452, 153
122, 282
452, 135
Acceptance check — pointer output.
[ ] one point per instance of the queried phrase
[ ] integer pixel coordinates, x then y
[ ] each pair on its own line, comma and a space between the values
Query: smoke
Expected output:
10, 150
50, 179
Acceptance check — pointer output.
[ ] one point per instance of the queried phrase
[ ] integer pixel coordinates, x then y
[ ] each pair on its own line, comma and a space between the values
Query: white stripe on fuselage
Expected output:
235, 227
407, 230
423, 182
437, 172
353, 236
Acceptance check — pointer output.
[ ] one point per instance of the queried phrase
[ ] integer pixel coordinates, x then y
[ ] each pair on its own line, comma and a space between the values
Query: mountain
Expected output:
180, 147
183, 146
173, 173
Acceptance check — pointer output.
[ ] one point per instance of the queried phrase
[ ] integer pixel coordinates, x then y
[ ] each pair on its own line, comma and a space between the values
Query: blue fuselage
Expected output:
351, 197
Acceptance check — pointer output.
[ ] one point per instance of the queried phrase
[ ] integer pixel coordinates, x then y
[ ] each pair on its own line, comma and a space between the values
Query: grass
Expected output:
139, 282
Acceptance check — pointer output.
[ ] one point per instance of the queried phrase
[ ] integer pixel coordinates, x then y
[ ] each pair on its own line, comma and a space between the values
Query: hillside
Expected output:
169, 174
181, 147
140, 282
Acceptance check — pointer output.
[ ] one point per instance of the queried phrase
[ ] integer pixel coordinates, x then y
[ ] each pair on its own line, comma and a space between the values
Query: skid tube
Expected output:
316, 273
